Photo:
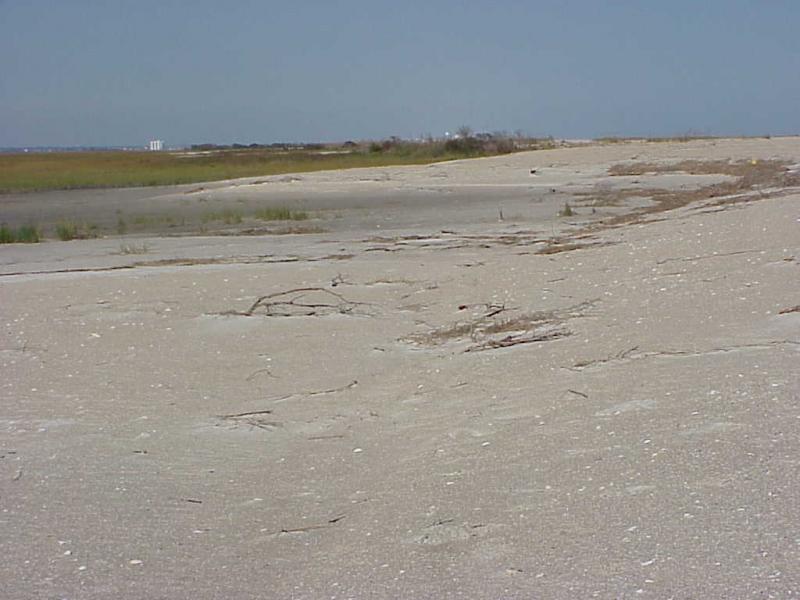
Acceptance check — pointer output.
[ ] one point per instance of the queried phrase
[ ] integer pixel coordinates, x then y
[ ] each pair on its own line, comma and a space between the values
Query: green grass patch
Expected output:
280, 214
26, 234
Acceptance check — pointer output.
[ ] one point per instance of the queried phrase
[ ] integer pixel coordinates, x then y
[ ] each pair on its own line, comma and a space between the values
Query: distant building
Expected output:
156, 145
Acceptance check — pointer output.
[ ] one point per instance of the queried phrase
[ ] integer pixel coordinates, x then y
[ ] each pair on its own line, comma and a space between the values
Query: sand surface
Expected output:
450, 405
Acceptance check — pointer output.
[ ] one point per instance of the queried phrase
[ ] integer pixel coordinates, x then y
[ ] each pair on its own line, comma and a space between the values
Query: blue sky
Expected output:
116, 72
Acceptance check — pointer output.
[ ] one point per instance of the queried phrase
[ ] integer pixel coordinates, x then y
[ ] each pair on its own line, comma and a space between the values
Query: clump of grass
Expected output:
66, 230
70, 230
26, 234
280, 214
566, 211
227, 216
7, 235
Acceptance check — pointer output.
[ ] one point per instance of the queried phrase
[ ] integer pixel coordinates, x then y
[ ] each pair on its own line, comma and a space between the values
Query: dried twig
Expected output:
339, 280
246, 414
628, 355
621, 355
352, 384
328, 523
343, 388
705, 257
494, 309
294, 302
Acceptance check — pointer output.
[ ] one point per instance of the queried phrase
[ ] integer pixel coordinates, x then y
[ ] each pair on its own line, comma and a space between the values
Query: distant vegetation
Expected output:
209, 162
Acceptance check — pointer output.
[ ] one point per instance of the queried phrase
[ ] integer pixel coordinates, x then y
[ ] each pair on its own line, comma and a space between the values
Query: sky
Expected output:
121, 72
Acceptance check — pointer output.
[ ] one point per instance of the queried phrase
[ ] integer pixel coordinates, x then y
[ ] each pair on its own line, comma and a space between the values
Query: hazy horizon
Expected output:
92, 73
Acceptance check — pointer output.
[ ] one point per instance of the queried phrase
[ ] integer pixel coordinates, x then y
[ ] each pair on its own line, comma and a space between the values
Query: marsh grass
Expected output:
227, 216
70, 230
280, 214
66, 231
151, 220
285, 230
26, 234
77, 170
7, 235
297, 229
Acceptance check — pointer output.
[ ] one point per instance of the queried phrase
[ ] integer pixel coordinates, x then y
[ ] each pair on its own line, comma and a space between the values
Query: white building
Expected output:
156, 145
